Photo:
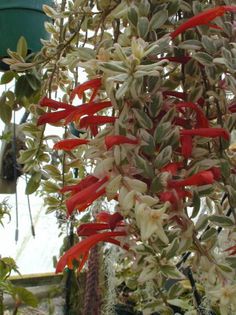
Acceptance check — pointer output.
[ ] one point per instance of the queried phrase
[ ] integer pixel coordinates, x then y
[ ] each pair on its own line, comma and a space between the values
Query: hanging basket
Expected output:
22, 18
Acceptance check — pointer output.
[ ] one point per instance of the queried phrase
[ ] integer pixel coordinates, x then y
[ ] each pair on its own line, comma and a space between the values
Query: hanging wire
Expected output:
15, 176
30, 212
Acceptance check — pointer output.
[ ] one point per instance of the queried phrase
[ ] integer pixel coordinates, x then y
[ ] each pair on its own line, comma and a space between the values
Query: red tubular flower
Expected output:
186, 146
112, 221
110, 141
91, 228
84, 183
47, 102
172, 167
86, 109
85, 197
174, 196
52, 118
207, 133
87, 121
201, 178
94, 84
203, 18
71, 113
84, 205
202, 121
69, 144
81, 250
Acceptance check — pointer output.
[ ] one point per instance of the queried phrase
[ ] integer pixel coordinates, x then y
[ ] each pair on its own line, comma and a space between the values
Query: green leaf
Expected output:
156, 185
5, 110
144, 166
22, 48
114, 66
171, 250
133, 15
221, 220
173, 7
203, 58
231, 261
163, 157
208, 44
143, 27
52, 171
161, 131
144, 7
191, 44
208, 234
142, 118
86, 53
158, 19
225, 268
26, 155
150, 147
171, 272
196, 204
7, 77
179, 303
25, 296
23, 88
33, 184
155, 105
33, 81
175, 290
50, 187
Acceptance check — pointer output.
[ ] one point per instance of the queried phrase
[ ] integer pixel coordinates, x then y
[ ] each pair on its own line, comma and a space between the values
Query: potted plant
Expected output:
22, 18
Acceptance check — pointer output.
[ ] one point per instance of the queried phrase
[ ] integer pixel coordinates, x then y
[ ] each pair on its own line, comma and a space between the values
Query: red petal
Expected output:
86, 229
207, 132
186, 146
202, 121
69, 144
115, 218
86, 109
82, 206
202, 18
54, 104
199, 179
86, 121
172, 167
83, 247
85, 195
54, 117
103, 216
84, 183
91, 84
110, 141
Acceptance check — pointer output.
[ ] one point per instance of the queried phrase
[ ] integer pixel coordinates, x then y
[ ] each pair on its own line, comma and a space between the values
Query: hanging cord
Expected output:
15, 176
30, 212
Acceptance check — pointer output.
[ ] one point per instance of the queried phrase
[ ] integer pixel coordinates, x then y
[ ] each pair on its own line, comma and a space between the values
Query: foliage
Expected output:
162, 78
19, 294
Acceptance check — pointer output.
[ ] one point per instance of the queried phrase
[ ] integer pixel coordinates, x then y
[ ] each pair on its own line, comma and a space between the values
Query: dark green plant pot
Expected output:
22, 18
